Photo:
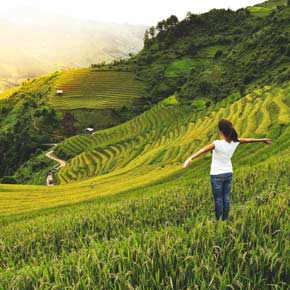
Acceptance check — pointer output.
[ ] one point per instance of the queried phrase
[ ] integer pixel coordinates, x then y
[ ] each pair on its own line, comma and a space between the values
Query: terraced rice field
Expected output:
160, 138
86, 88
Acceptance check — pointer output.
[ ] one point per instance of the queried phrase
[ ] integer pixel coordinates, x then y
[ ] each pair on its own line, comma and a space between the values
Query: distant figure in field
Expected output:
221, 172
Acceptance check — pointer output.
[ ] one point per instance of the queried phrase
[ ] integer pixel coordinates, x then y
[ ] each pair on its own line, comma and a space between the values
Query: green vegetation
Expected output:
266, 8
216, 54
170, 101
20, 117
180, 67
34, 171
125, 214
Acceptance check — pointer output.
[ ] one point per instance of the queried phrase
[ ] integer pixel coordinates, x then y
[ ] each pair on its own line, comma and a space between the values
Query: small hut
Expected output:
59, 92
89, 130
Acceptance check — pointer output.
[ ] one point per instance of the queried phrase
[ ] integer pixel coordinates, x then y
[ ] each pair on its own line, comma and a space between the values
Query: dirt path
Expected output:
50, 155
50, 176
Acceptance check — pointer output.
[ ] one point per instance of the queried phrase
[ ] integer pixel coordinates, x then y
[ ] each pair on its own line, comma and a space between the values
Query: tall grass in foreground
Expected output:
157, 239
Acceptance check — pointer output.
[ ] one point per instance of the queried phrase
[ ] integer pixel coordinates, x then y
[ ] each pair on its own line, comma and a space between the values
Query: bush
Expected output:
8, 180
218, 54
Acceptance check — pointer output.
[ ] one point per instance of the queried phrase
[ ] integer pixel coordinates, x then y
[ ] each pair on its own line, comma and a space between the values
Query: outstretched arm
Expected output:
205, 149
253, 140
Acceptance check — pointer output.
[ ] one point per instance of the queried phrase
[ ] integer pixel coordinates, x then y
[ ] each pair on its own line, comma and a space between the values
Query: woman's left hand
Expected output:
185, 164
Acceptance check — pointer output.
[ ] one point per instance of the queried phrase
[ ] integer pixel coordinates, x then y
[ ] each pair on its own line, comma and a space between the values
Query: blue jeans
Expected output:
221, 188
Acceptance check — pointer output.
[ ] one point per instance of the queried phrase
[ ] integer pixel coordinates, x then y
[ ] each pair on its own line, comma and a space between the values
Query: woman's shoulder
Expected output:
218, 141
222, 141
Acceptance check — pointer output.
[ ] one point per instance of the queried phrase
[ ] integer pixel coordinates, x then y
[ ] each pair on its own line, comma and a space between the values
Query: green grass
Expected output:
159, 236
170, 101
260, 11
183, 67
264, 9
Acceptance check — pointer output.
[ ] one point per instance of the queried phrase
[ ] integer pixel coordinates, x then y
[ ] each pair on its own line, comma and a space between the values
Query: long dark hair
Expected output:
226, 127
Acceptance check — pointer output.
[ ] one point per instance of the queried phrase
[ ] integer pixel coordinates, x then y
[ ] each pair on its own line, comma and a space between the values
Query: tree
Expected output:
205, 88
171, 21
8, 180
188, 16
218, 54
152, 31
68, 123
146, 36
242, 90
161, 25
192, 49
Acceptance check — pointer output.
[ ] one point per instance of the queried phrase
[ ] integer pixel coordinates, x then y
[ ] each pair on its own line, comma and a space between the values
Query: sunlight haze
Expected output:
127, 11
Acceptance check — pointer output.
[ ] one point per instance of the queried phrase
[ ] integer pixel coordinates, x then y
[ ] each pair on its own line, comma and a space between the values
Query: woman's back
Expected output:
221, 157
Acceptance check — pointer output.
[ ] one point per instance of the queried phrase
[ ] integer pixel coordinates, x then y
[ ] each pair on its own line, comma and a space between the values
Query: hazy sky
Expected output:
147, 12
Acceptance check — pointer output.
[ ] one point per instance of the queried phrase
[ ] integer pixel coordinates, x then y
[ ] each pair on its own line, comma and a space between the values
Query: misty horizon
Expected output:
125, 12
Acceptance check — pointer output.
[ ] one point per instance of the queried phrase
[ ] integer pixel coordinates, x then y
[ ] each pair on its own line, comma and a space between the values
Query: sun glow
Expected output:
147, 12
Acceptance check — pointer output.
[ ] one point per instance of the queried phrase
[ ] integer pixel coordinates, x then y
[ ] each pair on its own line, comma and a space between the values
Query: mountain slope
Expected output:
160, 138
215, 54
32, 114
264, 9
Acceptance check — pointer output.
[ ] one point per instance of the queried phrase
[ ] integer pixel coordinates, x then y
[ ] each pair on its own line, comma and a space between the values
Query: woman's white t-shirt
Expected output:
221, 156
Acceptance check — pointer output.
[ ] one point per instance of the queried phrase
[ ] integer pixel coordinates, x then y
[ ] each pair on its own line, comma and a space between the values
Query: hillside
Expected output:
215, 54
32, 114
158, 140
152, 146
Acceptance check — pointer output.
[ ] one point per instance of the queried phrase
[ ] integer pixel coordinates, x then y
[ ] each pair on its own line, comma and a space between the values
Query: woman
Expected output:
221, 172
